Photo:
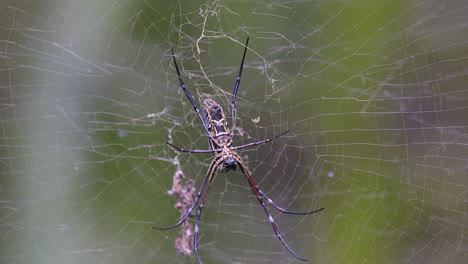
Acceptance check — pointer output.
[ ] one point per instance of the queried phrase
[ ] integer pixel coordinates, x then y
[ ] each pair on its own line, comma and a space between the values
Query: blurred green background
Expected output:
374, 93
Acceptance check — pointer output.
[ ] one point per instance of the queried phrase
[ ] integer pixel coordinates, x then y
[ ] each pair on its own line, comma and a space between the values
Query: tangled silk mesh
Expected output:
374, 93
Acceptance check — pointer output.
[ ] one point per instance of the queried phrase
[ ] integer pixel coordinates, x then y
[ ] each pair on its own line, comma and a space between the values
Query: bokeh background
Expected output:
374, 93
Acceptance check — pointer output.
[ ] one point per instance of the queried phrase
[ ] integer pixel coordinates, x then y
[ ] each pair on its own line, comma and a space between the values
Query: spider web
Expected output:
374, 93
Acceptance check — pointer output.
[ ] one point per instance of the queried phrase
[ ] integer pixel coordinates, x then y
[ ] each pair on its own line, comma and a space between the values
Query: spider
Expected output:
225, 157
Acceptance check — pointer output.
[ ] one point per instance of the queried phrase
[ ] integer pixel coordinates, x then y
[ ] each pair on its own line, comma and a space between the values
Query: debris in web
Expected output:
185, 194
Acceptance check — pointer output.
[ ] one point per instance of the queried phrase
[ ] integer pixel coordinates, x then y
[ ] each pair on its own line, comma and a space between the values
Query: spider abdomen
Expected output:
216, 122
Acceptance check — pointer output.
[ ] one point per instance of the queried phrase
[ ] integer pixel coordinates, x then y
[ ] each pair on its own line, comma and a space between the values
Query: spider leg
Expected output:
259, 196
189, 96
279, 208
190, 150
210, 175
208, 178
261, 141
236, 87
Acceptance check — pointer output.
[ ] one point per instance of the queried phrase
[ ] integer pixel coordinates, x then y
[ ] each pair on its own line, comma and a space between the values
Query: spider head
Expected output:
228, 164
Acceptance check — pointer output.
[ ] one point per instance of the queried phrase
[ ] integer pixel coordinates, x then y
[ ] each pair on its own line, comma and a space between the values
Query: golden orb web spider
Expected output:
225, 157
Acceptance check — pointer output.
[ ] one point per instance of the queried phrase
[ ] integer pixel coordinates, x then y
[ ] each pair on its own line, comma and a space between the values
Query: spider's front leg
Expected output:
259, 195
279, 208
201, 196
206, 181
